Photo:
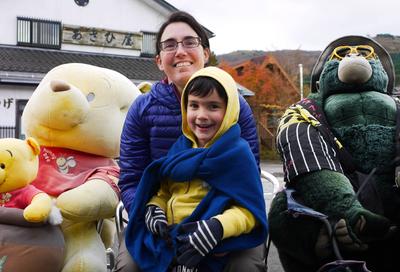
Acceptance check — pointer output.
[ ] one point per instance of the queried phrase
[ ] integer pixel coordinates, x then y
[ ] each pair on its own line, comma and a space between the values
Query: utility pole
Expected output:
301, 80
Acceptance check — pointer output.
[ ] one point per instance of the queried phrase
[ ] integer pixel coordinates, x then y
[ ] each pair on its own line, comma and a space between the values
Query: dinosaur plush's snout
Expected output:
354, 69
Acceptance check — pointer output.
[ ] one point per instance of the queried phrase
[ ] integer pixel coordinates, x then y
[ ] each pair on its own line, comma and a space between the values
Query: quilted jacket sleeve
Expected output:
134, 151
248, 128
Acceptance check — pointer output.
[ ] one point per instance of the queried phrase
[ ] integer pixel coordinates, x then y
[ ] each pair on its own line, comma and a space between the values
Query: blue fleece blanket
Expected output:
229, 167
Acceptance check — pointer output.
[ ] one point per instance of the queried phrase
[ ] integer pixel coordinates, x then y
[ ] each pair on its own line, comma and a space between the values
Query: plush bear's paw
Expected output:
324, 248
32, 214
39, 209
361, 228
346, 237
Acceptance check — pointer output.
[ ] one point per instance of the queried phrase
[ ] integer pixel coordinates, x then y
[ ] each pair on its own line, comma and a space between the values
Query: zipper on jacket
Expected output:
172, 201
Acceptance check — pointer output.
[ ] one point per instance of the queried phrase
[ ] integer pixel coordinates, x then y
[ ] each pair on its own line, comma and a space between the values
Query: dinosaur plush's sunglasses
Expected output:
342, 51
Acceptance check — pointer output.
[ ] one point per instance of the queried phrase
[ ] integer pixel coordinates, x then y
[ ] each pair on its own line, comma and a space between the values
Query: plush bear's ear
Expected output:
144, 86
34, 145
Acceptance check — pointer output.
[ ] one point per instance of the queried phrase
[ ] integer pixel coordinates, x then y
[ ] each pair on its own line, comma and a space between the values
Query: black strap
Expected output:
397, 139
346, 160
397, 101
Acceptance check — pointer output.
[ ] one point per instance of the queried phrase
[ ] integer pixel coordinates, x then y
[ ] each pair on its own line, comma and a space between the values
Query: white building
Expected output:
41, 34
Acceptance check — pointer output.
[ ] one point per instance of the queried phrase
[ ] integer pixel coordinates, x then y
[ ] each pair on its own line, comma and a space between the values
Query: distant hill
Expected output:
290, 59
389, 42
239, 56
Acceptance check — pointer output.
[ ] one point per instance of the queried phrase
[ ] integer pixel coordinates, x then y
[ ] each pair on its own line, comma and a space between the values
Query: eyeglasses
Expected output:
365, 51
171, 44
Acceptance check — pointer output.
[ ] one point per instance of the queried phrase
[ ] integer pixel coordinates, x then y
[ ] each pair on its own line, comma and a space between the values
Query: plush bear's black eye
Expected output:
2, 165
90, 96
82, 3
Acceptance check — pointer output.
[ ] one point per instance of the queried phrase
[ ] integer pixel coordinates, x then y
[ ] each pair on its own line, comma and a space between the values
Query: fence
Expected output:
7, 132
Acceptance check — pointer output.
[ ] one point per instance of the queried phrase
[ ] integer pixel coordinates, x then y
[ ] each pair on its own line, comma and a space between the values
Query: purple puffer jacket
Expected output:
152, 125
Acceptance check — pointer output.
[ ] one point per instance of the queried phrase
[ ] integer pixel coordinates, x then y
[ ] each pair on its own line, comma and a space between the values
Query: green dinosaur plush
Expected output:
351, 83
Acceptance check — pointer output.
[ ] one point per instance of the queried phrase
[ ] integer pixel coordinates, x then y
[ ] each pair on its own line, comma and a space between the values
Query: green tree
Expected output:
213, 61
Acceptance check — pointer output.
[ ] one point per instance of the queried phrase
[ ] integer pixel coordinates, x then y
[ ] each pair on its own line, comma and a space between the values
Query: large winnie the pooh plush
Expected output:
76, 114
339, 149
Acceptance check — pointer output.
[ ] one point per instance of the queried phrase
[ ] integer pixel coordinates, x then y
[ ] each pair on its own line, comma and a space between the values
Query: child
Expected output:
205, 196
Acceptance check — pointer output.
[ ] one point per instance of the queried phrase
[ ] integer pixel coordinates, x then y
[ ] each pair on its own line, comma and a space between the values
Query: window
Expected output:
149, 44
270, 67
38, 33
19, 132
239, 70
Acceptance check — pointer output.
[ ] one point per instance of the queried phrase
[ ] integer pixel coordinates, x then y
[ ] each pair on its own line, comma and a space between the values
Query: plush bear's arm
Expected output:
296, 237
92, 200
331, 193
326, 191
39, 208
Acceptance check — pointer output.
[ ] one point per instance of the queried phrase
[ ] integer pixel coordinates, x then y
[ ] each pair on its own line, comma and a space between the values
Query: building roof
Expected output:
243, 90
25, 65
29, 65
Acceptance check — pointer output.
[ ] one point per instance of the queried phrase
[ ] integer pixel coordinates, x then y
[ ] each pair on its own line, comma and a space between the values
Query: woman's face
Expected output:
179, 65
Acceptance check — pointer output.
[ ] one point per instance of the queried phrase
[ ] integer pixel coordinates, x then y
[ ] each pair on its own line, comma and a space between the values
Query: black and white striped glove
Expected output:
197, 240
156, 221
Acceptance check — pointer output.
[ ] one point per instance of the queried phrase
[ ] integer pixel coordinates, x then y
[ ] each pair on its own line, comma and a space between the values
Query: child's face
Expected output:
205, 115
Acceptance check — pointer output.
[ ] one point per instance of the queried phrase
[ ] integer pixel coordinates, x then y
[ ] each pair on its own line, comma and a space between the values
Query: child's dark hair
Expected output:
202, 86
183, 17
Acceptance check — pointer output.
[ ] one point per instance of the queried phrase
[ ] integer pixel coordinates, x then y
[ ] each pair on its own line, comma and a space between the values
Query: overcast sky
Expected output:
290, 24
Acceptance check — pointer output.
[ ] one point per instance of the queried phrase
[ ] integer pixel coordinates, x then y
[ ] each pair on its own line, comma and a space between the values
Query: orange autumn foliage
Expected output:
265, 77
273, 89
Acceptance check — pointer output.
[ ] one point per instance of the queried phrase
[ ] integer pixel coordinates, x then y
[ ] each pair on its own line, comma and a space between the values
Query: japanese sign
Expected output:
6, 102
102, 37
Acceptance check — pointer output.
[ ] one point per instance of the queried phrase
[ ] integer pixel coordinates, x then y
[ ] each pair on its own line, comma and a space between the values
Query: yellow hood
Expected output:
232, 107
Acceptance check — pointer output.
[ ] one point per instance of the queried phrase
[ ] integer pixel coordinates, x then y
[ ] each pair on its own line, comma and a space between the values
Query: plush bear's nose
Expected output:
59, 86
354, 69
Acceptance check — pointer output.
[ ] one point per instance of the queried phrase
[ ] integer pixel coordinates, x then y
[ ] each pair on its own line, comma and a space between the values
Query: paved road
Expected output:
275, 168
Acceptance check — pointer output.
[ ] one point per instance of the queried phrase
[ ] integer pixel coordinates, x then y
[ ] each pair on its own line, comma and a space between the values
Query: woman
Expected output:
153, 122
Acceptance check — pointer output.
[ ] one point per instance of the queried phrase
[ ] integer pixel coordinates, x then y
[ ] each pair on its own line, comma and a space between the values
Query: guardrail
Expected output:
7, 132
276, 187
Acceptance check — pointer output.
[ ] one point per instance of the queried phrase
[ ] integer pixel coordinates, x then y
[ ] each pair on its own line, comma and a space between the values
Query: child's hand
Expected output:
197, 240
156, 221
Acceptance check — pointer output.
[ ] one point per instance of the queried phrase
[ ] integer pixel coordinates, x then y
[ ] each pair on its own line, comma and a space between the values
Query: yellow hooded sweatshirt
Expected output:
179, 199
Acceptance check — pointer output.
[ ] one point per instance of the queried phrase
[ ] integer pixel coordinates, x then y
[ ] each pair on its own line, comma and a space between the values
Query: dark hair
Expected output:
203, 86
184, 17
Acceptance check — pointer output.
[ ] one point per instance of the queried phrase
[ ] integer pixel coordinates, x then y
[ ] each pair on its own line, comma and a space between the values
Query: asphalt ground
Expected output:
274, 168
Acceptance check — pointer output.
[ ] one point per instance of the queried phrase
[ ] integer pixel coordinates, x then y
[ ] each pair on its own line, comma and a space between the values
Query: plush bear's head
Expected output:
352, 81
352, 74
18, 163
80, 107
353, 63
